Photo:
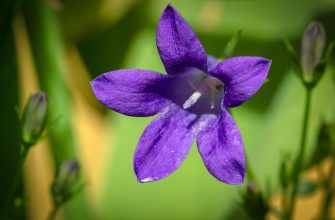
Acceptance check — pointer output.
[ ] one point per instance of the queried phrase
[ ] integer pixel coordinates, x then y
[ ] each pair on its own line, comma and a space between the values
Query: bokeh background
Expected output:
58, 46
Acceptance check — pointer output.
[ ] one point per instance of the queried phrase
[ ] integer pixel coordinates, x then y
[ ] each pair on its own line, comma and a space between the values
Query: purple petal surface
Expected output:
242, 77
212, 62
131, 92
221, 148
178, 46
164, 144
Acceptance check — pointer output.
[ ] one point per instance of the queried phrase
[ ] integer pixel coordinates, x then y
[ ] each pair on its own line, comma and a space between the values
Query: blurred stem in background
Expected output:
300, 158
10, 156
310, 68
329, 193
327, 139
48, 51
66, 185
49, 55
5, 28
33, 122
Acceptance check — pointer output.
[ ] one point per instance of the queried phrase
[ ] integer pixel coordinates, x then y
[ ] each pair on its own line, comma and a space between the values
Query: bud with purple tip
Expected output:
34, 118
313, 44
254, 202
66, 183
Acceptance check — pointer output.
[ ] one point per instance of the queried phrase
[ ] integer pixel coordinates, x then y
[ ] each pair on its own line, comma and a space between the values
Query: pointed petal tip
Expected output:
267, 61
231, 179
145, 180
262, 60
95, 83
169, 7
177, 44
236, 180
92, 84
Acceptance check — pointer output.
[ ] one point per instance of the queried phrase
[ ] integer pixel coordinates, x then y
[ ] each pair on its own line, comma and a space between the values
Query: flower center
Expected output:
208, 86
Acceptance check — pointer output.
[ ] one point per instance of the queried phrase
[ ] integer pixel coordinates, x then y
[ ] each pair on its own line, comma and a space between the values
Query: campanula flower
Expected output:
191, 100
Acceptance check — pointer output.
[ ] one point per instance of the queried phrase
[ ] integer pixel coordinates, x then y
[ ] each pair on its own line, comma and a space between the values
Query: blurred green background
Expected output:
59, 45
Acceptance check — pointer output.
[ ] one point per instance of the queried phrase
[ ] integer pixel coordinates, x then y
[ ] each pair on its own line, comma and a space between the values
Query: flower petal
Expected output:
242, 77
164, 144
221, 148
131, 92
178, 46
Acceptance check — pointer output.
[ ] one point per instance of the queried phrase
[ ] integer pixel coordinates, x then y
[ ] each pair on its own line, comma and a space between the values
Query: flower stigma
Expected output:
208, 86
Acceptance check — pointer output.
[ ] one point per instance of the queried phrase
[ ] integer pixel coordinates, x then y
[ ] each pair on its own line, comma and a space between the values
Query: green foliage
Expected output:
306, 188
254, 203
9, 126
231, 45
325, 145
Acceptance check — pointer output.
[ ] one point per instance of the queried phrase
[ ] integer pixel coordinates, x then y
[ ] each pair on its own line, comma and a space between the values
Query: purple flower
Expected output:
191, 101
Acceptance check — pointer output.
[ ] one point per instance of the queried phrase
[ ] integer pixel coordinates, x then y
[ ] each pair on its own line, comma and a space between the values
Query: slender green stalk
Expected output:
299, 162
19, 172
49, 54
8, 18
329, 193
17, 180
284, 200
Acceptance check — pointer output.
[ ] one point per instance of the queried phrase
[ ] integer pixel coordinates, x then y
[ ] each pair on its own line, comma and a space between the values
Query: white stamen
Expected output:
192, 100
212, 101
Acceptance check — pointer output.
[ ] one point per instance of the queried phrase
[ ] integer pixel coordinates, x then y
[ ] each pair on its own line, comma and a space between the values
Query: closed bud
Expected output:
66, 181
254, 203
313, 45
34, 118
252, 190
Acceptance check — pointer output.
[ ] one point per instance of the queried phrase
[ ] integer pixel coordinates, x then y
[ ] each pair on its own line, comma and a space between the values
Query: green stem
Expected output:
17, 180
19, 172
53, 213
300, 158
284, 200
47, 43
13, 8
329, 193
50, 60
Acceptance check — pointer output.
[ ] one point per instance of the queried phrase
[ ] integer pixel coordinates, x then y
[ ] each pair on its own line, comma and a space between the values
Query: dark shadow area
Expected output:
100, 56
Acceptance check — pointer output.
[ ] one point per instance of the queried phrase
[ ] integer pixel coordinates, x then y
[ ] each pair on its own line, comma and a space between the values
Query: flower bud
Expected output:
34, 118
313, 44
66, 181
254, 203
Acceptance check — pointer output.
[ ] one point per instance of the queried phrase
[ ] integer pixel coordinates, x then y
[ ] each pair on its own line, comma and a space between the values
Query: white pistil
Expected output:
207, 86
192, 100
212, 100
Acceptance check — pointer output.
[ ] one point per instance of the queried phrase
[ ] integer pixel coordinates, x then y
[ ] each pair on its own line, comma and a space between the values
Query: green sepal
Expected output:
294, 58
231, 45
